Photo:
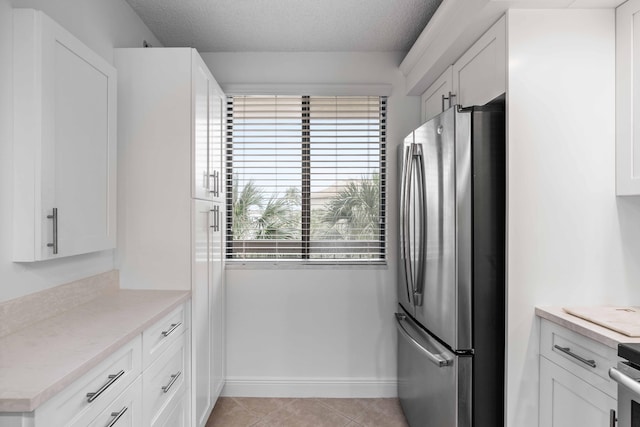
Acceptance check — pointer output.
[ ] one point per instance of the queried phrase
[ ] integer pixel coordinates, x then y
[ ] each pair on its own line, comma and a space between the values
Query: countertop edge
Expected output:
30, 404
583, 327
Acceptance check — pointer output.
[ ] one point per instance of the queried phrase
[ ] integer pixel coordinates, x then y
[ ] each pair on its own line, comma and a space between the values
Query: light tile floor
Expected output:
266, 412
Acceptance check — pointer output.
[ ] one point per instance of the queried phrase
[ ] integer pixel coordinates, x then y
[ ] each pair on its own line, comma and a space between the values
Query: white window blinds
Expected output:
306, 177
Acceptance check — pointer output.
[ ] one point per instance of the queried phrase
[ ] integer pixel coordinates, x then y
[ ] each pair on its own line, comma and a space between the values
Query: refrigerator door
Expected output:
442, 305
434, 385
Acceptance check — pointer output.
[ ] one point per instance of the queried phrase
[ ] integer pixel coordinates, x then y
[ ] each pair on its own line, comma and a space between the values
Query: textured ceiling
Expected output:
287, 25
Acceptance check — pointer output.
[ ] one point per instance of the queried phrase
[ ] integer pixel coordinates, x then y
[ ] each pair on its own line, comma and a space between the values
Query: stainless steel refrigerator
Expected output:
451, 285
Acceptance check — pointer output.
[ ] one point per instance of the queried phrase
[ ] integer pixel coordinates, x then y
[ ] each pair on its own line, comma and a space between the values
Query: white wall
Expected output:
323, 331
102, 25
570, 240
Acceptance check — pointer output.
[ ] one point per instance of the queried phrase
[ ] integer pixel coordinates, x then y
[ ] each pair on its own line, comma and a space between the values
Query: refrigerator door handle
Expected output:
403, 211
406, 229
437, 359
419, 285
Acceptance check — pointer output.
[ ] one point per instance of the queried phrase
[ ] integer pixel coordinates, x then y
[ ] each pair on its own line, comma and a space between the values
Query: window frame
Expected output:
305, 242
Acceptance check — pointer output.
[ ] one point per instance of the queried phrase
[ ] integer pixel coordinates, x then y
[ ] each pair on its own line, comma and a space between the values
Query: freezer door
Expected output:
437, 298
434, 385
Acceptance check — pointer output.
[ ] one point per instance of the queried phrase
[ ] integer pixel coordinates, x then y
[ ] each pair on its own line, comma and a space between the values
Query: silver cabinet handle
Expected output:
625, 381
567, 351
174, 377
447, 98
216, 183
54, 217
216, 218
116, 416
435, 358
172, 328
112, 379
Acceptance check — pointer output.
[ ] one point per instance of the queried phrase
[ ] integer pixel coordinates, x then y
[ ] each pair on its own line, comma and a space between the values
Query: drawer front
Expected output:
124, 411
161, 335
164, 380
582, 356
107, 380
175, 414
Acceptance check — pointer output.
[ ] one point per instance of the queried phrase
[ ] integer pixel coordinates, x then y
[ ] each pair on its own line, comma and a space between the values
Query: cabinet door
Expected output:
201, 306
216, 141
568, 401
627, 98
218, 349
432, 99
480, 74
64, 143
175, 416
201, 86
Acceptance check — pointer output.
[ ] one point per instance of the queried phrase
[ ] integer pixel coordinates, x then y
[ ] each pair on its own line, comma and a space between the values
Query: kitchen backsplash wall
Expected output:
102, 25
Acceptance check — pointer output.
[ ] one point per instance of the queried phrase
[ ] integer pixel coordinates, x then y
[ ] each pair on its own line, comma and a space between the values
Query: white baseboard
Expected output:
310, 387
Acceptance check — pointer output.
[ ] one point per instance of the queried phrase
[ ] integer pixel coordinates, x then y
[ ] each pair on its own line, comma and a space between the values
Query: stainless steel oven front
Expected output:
627, 375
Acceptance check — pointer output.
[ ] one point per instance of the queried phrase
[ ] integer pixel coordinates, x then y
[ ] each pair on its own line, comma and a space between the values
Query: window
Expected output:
306, 178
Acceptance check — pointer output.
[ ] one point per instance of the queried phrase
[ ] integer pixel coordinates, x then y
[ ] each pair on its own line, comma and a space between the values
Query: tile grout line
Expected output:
338, 411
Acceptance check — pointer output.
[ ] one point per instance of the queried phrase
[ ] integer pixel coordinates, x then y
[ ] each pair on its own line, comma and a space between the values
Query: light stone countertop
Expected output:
584, 327
39, 361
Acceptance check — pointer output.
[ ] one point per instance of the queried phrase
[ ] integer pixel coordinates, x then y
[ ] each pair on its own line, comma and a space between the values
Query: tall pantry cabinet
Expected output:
170, 210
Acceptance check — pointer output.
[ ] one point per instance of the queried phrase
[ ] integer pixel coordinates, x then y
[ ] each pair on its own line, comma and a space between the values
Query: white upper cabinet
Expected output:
64, 143
207, 133
439, 96
628, 98
476, 78
480, 74
217, 102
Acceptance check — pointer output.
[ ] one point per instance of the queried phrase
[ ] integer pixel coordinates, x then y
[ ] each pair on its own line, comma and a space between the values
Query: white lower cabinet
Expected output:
124, 411
126, 389
176, 415
566, 400
87, 397
575, 389
163, 381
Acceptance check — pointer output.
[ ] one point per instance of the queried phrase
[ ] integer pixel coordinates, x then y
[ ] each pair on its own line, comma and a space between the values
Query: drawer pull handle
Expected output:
567, 350
174, 377
112, 379
173, 327
116, 416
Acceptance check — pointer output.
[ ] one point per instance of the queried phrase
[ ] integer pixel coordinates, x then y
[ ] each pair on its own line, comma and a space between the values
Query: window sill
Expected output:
304, 265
